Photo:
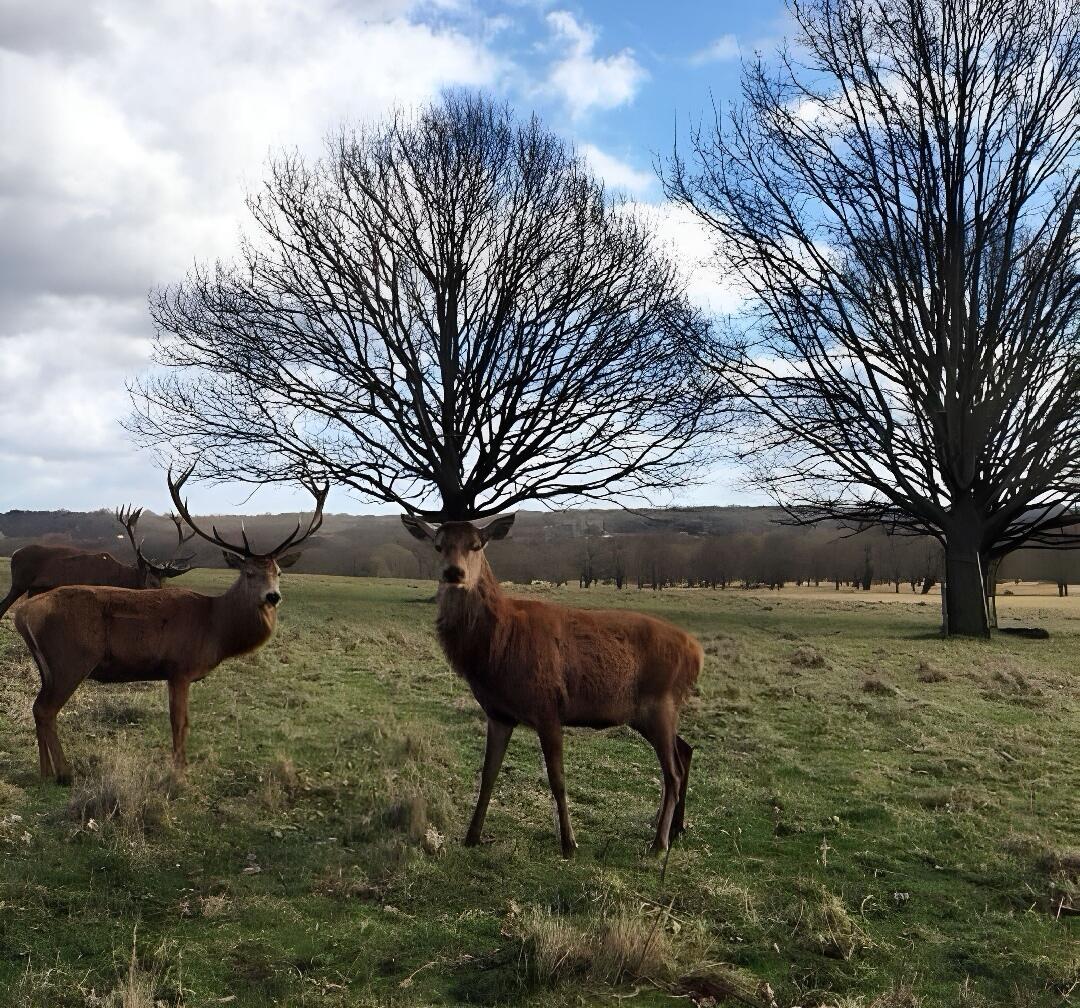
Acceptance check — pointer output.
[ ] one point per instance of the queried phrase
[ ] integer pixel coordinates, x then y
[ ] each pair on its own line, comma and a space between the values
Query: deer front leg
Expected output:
178, 716
551, 744
498, 737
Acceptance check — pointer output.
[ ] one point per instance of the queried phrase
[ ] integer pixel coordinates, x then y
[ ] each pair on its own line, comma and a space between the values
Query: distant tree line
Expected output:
710, 548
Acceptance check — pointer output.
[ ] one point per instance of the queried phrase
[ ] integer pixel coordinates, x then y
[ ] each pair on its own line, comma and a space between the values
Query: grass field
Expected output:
878, 818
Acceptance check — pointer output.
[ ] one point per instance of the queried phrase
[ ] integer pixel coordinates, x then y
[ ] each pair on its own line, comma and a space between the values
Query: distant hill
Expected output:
377, 544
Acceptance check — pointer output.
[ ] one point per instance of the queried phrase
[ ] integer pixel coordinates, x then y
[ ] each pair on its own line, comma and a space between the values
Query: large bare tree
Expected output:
445, 312
898, 194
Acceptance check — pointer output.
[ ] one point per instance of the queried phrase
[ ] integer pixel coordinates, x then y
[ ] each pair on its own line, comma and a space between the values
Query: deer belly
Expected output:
597, 709
586, 721
117, 672
499, 707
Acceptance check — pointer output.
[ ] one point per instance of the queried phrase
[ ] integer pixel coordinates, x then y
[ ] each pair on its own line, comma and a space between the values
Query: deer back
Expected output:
123, 634
85, 569
525, 659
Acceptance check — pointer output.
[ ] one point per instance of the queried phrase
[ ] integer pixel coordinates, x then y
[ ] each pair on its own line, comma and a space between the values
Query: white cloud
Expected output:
617, 174
130, 133
720, 50
583, 80
693, 246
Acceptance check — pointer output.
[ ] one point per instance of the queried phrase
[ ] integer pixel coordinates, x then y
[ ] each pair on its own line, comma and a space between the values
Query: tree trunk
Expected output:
964, 590
991, 579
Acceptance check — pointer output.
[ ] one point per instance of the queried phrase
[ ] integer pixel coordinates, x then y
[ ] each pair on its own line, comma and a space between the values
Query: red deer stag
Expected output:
547, 666
36, 568
119, 635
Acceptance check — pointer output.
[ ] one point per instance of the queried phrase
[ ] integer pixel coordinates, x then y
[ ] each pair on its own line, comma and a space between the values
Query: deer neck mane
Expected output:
241, 625
469, 614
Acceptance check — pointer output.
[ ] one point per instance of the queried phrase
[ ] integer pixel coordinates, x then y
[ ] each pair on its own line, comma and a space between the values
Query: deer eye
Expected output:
438, 548
476, 547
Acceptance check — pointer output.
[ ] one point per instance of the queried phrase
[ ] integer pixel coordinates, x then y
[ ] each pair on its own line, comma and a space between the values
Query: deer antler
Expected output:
294, 538
177, 564
129, 518
180, 537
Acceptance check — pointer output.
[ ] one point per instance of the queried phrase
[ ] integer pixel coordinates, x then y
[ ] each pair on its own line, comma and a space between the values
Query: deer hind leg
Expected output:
498, 737
178, 717
551, 738
51, 756
660, 732
684, 752
57, 685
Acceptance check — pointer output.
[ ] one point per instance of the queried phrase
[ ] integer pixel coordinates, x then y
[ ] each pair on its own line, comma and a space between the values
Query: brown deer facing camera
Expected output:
37, 568
119, 635
547, 666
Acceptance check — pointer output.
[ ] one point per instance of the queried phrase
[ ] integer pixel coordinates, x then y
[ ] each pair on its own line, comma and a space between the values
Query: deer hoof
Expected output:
472, 840
659, 848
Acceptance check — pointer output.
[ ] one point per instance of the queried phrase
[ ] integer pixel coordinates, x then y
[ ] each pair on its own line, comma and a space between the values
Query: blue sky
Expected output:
133, 127
685, 51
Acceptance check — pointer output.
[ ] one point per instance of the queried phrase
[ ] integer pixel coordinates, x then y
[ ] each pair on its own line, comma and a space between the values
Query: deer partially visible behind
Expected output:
548, 666
38, 568
120, 635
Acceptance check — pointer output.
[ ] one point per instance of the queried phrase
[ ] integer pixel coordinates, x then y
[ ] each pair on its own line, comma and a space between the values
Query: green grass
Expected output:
859, 836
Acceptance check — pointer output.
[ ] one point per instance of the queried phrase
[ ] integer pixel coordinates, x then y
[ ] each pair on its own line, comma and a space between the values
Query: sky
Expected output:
131, 129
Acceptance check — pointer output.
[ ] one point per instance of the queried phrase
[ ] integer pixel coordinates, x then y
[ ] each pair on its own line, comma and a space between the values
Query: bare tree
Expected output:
587, 557
446, 313
618, 564
899, 196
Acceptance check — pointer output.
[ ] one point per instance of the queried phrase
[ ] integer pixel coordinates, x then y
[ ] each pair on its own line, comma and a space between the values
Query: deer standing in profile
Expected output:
38, 568
546, 666
120, 635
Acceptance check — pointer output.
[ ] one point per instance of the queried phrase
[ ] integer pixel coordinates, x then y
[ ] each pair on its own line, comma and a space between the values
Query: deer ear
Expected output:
288, 560
418, 528
497, 528
235, 562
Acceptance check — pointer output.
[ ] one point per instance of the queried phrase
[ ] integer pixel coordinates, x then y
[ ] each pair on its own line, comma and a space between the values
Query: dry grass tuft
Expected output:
878, 685
554, 947
280, 784
631, 944
807, 656
212, 907
408, 815
1067, 861
929, 673
623, 943
901, 996
337, 884
824, 923
142, 986
125, 791
1011, 685
116, 711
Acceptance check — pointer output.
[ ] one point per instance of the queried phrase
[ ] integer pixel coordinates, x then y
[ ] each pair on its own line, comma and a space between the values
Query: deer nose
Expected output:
454, 574
273, 598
